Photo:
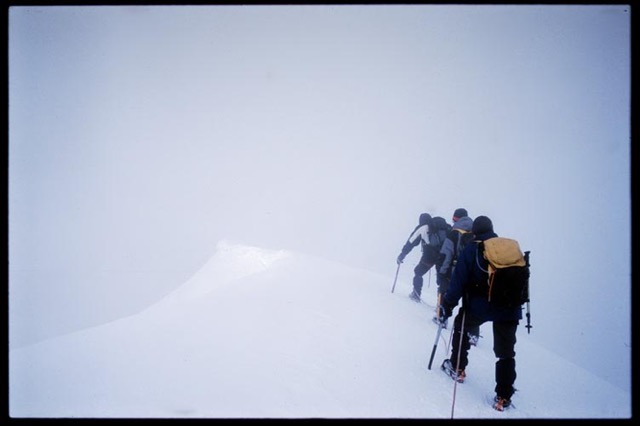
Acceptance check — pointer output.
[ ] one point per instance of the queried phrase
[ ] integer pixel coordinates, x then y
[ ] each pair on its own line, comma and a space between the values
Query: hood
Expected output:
425, 219
486, 235
465, 223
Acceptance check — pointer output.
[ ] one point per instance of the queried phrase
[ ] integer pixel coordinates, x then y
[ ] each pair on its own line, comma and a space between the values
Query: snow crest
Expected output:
229, 263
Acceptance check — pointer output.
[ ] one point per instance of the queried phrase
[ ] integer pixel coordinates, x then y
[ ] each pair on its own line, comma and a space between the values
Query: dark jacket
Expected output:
420, 236
470, 269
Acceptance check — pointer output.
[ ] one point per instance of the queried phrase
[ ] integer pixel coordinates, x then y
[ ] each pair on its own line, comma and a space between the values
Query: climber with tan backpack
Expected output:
492, 279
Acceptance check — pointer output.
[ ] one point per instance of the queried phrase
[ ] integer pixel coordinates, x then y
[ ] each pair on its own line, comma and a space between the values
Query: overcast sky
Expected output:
141, 136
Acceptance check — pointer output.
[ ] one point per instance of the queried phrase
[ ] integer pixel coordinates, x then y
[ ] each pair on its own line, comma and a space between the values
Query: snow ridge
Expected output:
230, 262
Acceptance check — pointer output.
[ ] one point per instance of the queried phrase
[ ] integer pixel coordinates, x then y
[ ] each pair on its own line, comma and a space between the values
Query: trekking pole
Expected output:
455, 382
395, 279
528, 326
435, 345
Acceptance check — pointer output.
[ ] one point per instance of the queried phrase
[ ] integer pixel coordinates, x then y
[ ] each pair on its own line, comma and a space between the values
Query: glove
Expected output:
445, 313
400, 259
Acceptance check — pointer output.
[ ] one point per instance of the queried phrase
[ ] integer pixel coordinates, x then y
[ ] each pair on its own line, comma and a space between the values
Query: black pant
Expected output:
421, 268
443, 283
504, 341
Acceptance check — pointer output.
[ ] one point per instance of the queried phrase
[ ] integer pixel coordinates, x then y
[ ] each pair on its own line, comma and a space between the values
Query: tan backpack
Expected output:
508, 271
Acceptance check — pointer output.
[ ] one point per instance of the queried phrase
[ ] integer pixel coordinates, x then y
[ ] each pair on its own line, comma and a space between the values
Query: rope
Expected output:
455, 382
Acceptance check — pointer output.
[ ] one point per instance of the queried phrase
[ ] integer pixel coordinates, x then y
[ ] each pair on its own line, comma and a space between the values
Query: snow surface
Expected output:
260, 333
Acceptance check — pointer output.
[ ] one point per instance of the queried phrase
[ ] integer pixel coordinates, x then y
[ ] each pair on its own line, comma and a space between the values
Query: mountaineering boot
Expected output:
458, 376
473, 339
500, 403
414, 296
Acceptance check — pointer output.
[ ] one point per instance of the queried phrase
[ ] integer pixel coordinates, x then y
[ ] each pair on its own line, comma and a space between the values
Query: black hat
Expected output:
459, 213
482, 225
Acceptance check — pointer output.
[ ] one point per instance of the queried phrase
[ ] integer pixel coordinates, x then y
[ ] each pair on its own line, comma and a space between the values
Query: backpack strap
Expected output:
490, 271
492, 274
480, 249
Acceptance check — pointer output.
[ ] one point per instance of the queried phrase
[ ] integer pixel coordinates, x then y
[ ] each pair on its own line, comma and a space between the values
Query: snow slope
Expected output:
260, 333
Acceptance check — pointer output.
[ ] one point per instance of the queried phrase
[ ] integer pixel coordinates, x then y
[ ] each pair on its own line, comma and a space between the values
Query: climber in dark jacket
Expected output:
471, 269
419, 236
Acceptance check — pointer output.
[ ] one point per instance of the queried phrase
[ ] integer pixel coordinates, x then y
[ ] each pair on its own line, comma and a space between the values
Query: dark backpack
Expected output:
508, 272
438, 231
